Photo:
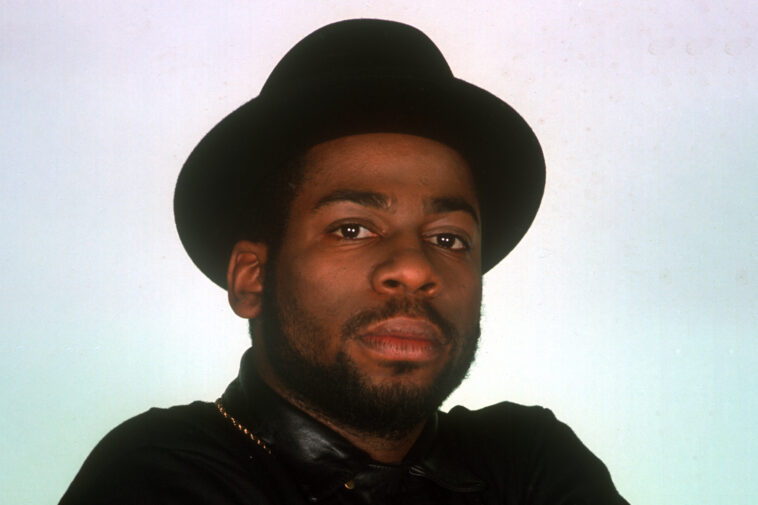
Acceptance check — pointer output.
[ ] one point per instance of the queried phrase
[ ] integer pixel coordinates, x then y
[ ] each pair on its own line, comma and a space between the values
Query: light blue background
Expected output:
629, 309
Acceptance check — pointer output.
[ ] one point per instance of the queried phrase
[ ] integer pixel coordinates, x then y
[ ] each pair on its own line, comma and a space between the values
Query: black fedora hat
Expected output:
349, 77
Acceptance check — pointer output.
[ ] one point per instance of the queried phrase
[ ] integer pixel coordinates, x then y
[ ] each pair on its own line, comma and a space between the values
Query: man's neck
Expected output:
379, 448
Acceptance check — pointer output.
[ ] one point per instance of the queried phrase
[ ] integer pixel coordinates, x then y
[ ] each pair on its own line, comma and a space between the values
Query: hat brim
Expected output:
234, 157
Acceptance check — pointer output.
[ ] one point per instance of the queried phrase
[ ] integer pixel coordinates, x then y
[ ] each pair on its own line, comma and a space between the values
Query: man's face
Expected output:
372, 305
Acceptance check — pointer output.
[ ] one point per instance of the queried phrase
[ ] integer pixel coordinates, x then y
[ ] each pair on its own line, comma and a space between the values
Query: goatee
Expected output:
339, 391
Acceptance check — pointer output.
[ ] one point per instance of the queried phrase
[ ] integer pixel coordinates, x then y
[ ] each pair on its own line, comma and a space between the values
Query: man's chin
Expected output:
389, 406
388, 399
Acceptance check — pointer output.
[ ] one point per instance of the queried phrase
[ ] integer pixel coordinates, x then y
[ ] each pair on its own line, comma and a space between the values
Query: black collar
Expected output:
322, 460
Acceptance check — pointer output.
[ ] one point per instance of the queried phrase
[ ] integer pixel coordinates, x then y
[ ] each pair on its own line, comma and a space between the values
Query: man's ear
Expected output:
244, 278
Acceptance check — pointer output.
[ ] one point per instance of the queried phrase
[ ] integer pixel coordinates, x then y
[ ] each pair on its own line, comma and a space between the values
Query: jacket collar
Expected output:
324, 461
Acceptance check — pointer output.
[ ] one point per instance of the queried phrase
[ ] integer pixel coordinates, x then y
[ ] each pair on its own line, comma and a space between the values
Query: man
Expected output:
350, 211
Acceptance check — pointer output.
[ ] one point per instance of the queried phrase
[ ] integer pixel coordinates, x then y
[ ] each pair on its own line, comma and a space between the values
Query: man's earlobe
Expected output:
244, 278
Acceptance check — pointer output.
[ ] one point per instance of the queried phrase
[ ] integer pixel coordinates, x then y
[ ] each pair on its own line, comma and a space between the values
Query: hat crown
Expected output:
359, 48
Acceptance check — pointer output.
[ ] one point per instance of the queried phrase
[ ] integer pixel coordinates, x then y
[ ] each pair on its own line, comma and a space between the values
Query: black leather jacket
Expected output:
503, 454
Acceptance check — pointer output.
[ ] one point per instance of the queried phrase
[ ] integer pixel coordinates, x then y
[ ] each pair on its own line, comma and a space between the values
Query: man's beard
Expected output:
339, 391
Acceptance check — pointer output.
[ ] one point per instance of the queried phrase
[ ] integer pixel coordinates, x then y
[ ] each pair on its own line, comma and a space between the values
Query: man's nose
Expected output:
407, 270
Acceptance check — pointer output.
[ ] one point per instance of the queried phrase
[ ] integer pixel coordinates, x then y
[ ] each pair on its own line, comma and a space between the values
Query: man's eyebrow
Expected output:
365, 198
450, 204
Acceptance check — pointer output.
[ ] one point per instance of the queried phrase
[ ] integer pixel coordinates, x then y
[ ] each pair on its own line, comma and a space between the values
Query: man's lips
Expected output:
403, 339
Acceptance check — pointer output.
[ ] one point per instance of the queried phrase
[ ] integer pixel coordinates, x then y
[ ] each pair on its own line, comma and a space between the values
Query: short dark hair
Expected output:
270, 203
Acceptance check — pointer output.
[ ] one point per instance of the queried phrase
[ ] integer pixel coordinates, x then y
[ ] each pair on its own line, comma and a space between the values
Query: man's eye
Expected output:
352, 231
449, 241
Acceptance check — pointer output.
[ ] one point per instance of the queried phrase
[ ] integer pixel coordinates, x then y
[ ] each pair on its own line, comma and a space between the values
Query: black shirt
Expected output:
502, 454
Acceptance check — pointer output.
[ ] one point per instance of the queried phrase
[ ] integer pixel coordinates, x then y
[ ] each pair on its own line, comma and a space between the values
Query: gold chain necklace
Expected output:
260, 443
240, 427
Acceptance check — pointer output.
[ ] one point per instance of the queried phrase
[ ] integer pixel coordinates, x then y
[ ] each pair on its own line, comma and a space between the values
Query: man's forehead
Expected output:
372, 169
382, 156
359, 148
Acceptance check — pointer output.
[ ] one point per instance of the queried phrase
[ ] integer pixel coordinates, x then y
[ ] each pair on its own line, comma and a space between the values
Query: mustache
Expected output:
400, 307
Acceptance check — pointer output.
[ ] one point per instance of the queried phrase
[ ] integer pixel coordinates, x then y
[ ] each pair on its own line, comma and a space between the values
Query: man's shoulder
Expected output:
526, 448
500, 419
505, 428
179, 427
505, 408
180, 454
182, 429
